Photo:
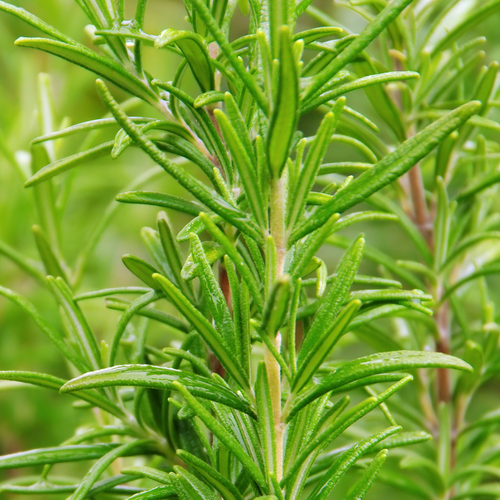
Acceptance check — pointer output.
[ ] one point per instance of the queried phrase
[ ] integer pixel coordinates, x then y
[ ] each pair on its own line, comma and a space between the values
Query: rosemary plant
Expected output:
254, 400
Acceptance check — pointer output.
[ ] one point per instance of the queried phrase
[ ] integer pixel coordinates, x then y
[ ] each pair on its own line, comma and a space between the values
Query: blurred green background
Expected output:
31, 417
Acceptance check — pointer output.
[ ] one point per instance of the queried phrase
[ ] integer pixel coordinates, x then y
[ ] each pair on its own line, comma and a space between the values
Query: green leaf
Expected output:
314, 34
211, 476
195, 52
84, 334
312, 361
484, 271
59, 166
235, 257
245, 167
104, 462
324, 321
389, 168
82, 56
158, 493
53, 335
346, 461
213, 294
224, 436
310, 246
157, 377
276, 306
383, 362
213, 252
53, 266
51, 382
196, 489
343, 422
266, 418
34, 21
360, 83
125, 318
56, 455
359, 490
357, 45
204, 328
225, 46
285, 114
312, 163
149, 472
478, 185
172, 254
23, 262
149, 312
141, 269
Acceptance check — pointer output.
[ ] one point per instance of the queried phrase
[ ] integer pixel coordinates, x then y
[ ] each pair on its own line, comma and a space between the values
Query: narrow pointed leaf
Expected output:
343, 464
325, 317
104, 462
389, 168
313, 360
157, 377
161, 200
266, 418
286, 108
211, 476
204, 328
384, 362
60, 454
224, 436
360, 489
102, 66
244, 165
59, 166
84, 334
195, 52
213, 294
312, 163
55, 383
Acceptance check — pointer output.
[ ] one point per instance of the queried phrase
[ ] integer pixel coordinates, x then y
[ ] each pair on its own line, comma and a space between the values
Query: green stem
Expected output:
278, 232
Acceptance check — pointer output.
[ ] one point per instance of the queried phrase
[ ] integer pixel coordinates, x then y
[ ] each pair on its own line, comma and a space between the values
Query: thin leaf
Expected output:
103, 463
389, 168
285, 114
246, 169
161, 200
266, 418
60, 454
211, 476
312, 163
213, 294
343, 464
204, 328
323, 324
359, 490
53, 335
157, 377
55, 383
312, 362
224, 436
383, 362
195, 52
357, 45
210, 199
82, 56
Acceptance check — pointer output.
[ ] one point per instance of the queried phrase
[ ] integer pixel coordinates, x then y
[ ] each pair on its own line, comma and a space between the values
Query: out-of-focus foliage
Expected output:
436, 232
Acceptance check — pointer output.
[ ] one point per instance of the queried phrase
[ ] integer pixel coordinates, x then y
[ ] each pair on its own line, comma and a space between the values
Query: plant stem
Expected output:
278, 232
